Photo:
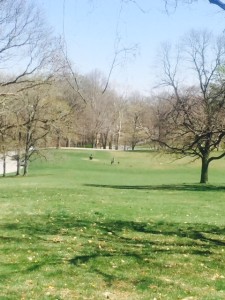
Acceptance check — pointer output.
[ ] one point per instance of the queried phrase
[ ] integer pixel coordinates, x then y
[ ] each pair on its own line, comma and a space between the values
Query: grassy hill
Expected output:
141, 228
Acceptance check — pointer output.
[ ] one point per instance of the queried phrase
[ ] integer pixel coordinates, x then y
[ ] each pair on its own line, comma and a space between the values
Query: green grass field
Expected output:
142, 228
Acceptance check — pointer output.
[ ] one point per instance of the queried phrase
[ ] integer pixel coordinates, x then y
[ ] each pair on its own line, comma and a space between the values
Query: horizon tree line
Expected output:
45, 103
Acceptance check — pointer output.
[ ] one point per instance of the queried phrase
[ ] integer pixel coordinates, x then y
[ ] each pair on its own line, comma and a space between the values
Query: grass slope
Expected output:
138, 229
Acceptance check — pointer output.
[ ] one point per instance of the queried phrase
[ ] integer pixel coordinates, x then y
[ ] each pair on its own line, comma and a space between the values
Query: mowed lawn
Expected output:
141, 228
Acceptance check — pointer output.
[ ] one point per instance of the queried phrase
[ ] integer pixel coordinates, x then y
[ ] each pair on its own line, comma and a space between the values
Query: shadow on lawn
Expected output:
169, 187
149, 245
64, 223
137, 242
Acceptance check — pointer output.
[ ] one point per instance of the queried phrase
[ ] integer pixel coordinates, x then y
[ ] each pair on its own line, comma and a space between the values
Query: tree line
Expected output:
45, 103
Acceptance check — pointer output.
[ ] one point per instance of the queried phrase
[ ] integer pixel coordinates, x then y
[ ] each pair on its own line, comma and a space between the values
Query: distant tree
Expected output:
35, 116
98, 116
194, 121
154, 110
29, 57
120, 108
7, 124
63, 124
133, 122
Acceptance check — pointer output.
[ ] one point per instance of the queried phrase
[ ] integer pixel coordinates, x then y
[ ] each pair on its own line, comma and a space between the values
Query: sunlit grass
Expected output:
142, 228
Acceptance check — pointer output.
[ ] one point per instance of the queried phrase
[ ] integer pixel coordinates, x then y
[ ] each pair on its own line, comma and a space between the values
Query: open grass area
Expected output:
141, 228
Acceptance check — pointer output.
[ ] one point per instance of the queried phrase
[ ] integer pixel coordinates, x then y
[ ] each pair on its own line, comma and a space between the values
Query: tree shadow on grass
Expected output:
52, 225
156, 242
102, 241
161, 187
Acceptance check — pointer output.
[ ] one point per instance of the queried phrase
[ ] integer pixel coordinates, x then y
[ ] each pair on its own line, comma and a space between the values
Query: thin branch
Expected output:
76, 88
136, 4
114, 63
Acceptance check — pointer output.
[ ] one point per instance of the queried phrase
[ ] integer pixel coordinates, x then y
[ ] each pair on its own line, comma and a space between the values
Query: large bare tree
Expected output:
194, 121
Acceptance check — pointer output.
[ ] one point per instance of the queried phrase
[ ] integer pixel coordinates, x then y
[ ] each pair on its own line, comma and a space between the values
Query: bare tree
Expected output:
30, 52
36, 116
194, 122
98, 110
133, 130
26, 45
6, 125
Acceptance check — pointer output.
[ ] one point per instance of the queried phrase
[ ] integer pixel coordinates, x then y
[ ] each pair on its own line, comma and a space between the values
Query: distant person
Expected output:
112, 161
91, 157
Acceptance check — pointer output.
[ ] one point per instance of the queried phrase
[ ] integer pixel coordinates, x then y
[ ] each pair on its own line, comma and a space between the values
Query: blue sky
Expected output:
93, 29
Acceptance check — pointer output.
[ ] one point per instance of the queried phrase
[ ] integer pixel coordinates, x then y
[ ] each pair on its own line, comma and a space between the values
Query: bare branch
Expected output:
174, 3
118, 53
218, 3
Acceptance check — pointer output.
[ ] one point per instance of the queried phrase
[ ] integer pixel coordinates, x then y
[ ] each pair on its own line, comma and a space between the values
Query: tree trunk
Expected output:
18, 166
117, 141
18, 162
26, 164
204, 169
25, 169
4, 165
58, 142
68, 142
133, 146
104, 140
